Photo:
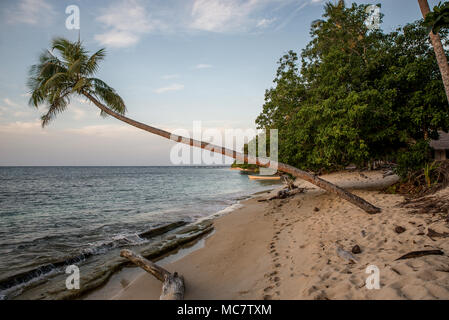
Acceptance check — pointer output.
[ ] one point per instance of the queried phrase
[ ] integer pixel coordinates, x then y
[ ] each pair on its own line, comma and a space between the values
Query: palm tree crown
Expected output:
65, 70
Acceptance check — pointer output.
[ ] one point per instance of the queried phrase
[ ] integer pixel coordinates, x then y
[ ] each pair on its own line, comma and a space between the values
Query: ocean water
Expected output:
54, 216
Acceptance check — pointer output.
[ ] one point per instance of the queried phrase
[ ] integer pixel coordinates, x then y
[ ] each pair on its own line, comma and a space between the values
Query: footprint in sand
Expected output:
269, 288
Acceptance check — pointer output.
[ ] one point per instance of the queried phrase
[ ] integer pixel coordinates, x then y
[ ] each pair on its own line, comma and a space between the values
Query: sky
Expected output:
173, 62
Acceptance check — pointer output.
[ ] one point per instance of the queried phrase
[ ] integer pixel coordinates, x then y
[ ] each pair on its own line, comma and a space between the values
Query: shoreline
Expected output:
129, 274
99, 259
287, 249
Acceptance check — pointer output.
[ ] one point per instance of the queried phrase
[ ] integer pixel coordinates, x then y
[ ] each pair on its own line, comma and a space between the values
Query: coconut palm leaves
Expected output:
438, 19
67, 70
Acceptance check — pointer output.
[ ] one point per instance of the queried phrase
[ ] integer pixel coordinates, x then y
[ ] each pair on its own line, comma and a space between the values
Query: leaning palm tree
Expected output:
67, 70
438, 48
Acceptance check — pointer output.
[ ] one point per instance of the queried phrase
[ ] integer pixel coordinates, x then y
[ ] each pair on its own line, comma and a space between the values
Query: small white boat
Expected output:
241, 169
264, 177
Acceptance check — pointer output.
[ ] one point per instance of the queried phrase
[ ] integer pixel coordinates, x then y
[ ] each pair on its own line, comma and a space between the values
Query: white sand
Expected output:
285, 249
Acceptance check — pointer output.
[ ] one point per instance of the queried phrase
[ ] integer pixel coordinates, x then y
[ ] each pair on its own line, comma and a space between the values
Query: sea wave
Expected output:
176, 234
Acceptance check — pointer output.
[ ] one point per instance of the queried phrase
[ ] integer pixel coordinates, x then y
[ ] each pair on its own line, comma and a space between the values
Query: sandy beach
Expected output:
287, 249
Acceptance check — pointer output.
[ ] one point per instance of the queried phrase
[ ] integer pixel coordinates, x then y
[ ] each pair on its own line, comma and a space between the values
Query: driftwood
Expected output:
434, 234
172, 285
289, 183
416, 254
285, 193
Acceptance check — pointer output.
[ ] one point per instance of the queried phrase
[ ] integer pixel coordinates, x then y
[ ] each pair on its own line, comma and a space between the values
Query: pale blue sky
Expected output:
173, 62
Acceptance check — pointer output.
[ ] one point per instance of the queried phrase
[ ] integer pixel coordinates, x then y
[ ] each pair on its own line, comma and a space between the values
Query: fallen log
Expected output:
173, 287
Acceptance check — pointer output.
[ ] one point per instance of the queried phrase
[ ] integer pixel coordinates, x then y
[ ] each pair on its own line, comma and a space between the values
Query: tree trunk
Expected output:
263, 162
438, 48
173, 285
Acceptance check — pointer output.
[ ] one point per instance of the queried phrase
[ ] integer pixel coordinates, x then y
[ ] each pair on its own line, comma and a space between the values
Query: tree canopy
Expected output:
356, 94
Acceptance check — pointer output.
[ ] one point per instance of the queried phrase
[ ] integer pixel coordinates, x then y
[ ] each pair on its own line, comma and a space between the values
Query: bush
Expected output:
414, 159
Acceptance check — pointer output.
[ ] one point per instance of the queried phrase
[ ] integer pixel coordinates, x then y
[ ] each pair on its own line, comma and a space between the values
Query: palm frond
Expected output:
80, 85
108, 95
56, 80
75, 67
91, 66
58, 106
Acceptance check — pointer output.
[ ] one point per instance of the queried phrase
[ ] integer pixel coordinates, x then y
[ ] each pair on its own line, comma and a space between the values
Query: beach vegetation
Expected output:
438, 18
357, 95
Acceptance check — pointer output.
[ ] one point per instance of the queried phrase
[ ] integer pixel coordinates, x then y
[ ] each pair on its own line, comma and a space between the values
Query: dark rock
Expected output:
316, 209
162, 229
399, 229
356, 249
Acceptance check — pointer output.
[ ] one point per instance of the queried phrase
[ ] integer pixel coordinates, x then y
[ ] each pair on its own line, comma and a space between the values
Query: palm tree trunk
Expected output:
438, 48
263, 162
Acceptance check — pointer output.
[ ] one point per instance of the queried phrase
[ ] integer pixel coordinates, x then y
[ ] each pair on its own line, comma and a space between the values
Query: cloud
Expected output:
30, 12
220, 15
103, 130
126, 21
2, 110
173, 87
22, 127
117, 39
78, 113
203, 66
263, 23
10, 103
170, 76
19, 114
235, 15
13, 109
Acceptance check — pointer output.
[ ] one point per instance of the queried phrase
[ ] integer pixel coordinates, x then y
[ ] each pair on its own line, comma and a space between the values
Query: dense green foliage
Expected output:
439, 18
358, 95
68, 70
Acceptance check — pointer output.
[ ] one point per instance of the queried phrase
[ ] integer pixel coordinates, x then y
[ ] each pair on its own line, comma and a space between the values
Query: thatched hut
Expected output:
441, 146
